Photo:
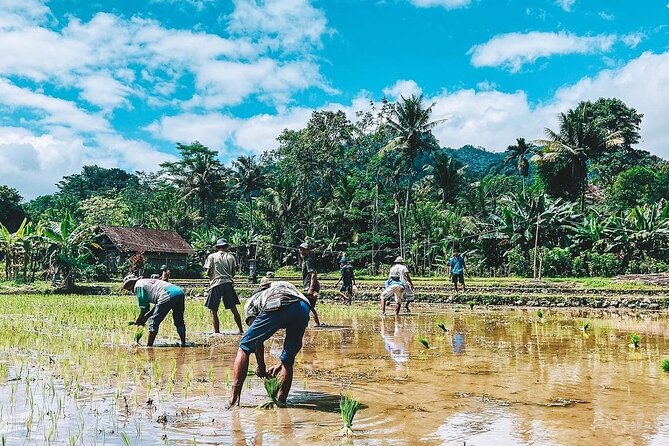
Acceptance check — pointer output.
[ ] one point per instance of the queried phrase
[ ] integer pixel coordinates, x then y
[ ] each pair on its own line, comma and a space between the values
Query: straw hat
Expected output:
129, 278
399, 259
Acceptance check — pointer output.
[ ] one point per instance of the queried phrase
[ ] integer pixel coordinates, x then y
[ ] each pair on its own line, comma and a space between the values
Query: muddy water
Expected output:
501, 377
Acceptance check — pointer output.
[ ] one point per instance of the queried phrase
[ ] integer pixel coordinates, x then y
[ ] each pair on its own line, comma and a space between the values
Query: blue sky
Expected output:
120, 83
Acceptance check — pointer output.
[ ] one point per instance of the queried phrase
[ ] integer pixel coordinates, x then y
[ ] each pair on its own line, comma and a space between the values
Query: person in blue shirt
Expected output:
457, 269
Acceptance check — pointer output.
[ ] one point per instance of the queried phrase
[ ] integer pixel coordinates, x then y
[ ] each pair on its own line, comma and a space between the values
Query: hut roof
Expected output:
146, 240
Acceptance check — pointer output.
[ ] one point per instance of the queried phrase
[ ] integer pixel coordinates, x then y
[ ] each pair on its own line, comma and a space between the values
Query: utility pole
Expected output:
536, 244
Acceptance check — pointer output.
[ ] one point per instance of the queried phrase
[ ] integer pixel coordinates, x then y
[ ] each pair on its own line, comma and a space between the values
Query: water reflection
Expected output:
396, 338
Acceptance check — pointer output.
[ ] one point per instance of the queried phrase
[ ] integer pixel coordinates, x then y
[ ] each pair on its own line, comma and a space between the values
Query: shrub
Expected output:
604, 265
646, 265
518, 263
557, 262
579, 266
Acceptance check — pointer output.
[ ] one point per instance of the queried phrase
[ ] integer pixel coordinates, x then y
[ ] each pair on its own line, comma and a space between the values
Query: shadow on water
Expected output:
316, 401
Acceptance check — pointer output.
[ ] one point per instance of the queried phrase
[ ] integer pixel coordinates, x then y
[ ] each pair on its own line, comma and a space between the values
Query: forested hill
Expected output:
479, 162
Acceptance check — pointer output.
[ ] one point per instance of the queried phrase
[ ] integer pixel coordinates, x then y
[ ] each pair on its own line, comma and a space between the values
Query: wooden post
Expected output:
536, 244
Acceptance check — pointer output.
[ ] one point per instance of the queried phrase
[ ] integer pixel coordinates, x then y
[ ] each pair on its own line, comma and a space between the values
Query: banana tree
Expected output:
11, 245
69, 248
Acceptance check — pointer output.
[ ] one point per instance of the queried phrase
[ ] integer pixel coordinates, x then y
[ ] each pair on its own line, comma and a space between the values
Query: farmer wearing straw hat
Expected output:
348, 281
221, 266
165, 297
310, 279
273, 307
399, 271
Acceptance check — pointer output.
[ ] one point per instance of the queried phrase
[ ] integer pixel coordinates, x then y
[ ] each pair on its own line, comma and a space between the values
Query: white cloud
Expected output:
286, 24
565, 4
198, 5
448, 4
513, 50
606, 16
633, 40
402, 88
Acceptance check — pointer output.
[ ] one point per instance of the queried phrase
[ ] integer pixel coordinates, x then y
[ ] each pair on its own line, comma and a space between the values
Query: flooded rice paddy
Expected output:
496, 376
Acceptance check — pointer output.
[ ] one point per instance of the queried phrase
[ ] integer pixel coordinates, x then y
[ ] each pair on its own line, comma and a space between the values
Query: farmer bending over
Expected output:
275, 306
165, 297
221, 267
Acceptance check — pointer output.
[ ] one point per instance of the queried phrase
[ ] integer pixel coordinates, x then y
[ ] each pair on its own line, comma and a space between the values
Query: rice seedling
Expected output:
540, 314
635, 340
423, 341
348, 407
272, 387
665, 365
471, 304
442, 326
138, 335
125, 439
585, 327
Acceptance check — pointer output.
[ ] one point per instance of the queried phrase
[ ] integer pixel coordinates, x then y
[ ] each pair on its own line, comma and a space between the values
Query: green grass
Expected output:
635, 340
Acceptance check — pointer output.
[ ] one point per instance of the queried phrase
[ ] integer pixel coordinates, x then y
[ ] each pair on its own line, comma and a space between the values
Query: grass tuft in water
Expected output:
348, 408
423, 341
442, 326
665, 365
272, 387
635, 340
540, 314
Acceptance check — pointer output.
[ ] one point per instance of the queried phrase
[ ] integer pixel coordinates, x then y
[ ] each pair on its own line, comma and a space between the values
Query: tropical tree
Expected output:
578, 140
446, 175
409, 123
518, 154
249, 179
198, 176
69, 248
11, 245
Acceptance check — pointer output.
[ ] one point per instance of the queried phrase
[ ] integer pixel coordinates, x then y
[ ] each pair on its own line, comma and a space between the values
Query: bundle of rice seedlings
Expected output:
665, 365
635, 340
138, 335
540, 314
442, 326
348, 408
586, 326
423, 341
471, 304
272, 387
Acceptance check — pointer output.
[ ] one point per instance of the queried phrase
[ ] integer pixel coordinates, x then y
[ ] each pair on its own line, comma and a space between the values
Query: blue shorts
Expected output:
176, 303
294, 318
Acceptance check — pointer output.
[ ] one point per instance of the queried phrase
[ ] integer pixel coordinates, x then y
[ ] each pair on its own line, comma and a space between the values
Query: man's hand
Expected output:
261, 372
274, 371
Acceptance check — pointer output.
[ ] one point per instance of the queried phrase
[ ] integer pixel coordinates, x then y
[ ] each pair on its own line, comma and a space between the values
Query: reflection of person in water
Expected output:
458, 343
396, 343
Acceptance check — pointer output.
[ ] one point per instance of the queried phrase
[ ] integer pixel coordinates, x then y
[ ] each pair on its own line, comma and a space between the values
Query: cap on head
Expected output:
343, 261
221, 242
304, 246
163, 268
265, 282
129, 279
399, 259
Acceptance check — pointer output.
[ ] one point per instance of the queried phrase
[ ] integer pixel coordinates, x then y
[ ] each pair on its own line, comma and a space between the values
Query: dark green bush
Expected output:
604, 265
556, 262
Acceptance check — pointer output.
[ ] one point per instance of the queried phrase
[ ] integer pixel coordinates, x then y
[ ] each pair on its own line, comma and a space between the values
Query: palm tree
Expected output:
517, 154
445, 174
578, 140
198, 175
409, 122
249, 178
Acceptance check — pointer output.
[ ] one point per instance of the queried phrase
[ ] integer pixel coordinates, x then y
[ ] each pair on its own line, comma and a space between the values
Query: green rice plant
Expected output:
138, 335
540, 314
442, 326
423, 341
585, 327
348, 408
665, 365
635, 340
125, 439
272, 387
471, 304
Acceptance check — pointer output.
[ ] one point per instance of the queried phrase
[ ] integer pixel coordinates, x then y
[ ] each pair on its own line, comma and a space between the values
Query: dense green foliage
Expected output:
581, 202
